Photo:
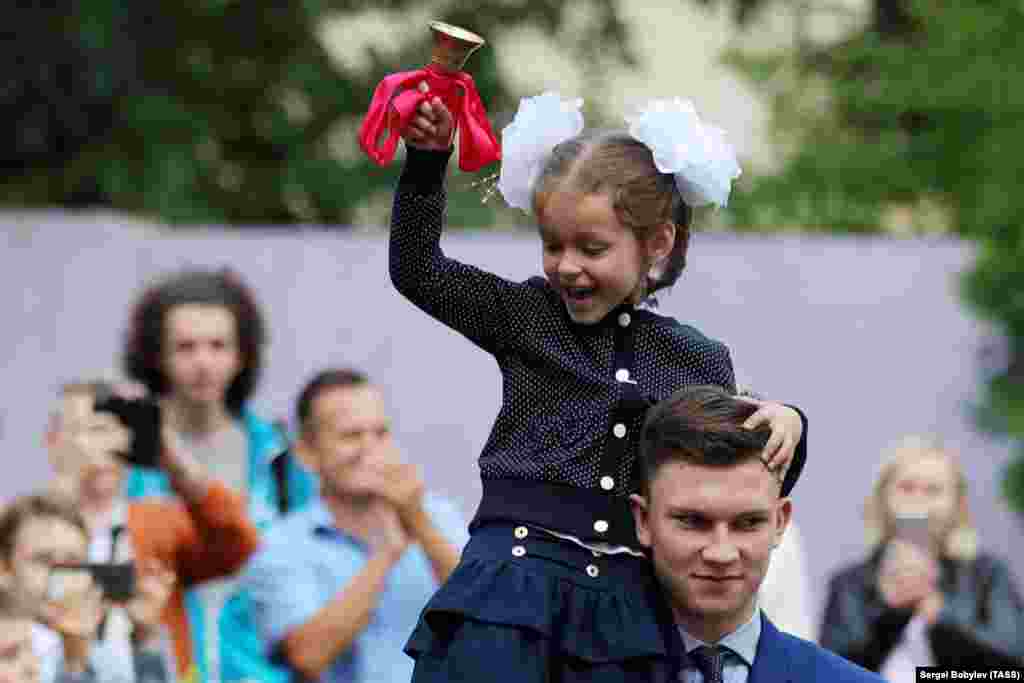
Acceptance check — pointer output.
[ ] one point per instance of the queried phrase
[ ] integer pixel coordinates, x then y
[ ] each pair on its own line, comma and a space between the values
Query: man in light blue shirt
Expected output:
710, 511
337, 587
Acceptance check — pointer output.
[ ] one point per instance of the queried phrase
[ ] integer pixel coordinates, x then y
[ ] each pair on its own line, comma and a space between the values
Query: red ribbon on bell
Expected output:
397, 97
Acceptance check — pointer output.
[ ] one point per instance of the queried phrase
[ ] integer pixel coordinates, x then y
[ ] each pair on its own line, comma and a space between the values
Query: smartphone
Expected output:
142, 416
116, 581
914, 529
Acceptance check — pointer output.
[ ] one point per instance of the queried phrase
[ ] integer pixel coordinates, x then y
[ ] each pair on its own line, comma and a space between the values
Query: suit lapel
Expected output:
773, 661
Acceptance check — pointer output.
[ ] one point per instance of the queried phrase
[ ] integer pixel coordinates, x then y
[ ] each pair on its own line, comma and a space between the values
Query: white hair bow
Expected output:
539, 125
697, 154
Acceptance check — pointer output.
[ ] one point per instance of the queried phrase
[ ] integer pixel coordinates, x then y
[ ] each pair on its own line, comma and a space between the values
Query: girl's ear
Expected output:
657, 250
660, 241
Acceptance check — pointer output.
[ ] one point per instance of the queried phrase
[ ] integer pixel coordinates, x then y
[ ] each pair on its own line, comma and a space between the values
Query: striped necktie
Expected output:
708, 660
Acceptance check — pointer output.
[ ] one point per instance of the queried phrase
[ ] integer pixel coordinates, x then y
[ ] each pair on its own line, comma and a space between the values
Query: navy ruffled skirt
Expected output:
524, 606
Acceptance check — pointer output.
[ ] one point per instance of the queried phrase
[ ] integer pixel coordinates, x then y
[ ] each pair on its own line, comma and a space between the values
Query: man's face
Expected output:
84, 443
711, 531
201, 353
39, 544
18, 662
348, 429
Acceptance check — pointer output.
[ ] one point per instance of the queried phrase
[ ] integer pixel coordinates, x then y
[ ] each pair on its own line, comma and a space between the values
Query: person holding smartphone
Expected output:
195, 341
44, 545
174, 544
925, 596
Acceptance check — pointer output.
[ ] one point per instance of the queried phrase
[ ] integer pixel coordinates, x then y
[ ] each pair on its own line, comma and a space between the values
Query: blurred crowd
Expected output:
185, 538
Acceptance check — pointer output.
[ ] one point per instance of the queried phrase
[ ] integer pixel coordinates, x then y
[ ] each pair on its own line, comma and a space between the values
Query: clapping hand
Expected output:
907, 575
384, 475
387, 533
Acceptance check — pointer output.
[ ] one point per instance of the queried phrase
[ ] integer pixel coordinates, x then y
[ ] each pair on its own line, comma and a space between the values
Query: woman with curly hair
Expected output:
196, 340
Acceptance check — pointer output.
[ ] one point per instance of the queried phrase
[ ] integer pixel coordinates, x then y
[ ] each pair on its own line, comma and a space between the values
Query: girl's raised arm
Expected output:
485, 308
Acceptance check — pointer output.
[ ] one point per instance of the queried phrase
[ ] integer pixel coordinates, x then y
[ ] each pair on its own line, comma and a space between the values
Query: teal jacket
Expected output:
241, 652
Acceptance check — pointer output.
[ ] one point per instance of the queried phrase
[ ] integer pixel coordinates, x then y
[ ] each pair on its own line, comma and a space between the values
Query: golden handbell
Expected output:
397, 97
452, 45
452, 48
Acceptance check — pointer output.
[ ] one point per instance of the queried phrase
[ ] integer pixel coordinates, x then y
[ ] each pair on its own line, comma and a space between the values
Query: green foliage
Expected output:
888, 117
912, 123
221, 111
1013, 484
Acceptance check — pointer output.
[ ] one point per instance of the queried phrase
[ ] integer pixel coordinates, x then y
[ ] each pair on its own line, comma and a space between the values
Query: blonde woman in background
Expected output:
924, 596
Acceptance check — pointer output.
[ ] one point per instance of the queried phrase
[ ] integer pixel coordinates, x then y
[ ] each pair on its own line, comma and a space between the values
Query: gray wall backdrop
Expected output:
866, 335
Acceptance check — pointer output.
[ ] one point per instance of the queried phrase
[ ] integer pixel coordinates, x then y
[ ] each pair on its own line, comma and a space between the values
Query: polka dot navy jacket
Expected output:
561, 453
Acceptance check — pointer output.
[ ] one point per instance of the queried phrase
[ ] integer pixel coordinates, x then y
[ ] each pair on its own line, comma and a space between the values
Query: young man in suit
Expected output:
710, 513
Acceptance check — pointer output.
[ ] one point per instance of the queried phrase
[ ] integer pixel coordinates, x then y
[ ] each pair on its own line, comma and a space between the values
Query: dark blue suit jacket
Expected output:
783, 657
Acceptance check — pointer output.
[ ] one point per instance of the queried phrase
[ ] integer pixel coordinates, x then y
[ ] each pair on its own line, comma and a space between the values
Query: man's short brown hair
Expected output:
31, 507
701, 425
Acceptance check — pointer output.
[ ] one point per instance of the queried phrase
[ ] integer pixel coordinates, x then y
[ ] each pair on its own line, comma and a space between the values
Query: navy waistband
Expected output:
587, 514
540, 551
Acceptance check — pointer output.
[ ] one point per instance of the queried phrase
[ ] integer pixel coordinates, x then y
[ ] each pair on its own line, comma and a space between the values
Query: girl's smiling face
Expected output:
590, 258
